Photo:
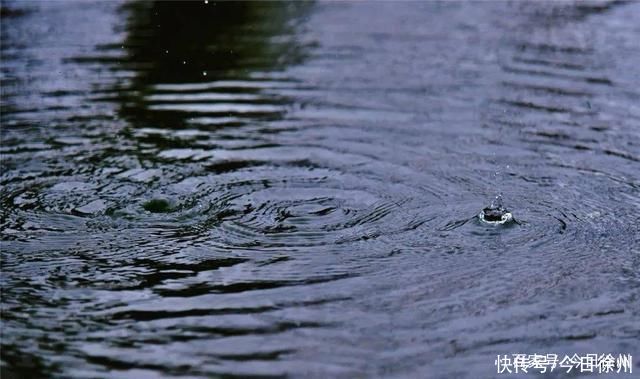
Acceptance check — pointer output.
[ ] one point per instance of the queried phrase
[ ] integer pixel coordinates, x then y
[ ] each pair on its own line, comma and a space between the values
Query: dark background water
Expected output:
269, 189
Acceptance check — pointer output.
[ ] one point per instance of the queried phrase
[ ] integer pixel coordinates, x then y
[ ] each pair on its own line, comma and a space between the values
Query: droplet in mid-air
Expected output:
496, 213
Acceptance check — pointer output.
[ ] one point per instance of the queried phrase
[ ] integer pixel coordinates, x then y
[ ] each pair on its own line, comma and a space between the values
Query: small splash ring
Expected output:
504, 218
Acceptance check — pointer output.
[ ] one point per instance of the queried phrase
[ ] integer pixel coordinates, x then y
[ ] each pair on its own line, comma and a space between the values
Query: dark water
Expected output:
277, 189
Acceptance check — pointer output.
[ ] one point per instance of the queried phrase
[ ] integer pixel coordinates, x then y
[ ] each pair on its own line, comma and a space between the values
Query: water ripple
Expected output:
293, 189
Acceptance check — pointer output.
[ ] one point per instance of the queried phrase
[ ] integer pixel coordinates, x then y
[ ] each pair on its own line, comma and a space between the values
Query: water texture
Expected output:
292, 189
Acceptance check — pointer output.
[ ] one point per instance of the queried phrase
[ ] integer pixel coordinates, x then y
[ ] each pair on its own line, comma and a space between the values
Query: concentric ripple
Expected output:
230, 189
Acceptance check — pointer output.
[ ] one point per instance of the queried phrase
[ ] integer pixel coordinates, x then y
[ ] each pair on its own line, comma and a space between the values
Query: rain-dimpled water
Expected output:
325, 189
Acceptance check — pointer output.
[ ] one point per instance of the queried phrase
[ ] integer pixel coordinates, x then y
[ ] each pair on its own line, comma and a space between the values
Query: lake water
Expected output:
292, 189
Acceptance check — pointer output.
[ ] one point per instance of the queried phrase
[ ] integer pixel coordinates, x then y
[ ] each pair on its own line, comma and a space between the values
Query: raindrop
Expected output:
497, 202
496, 213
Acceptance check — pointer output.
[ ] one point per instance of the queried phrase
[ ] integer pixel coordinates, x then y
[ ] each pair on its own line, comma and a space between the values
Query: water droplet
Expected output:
495, 213
497, 202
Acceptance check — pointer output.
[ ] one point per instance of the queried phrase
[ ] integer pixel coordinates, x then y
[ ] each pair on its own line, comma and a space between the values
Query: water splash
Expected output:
495, 213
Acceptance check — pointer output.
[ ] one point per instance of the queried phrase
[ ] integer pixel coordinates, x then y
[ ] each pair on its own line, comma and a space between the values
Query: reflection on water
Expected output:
203, 62
267, 189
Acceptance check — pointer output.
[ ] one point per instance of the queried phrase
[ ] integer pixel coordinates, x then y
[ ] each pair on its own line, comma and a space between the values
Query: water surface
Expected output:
291, 189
